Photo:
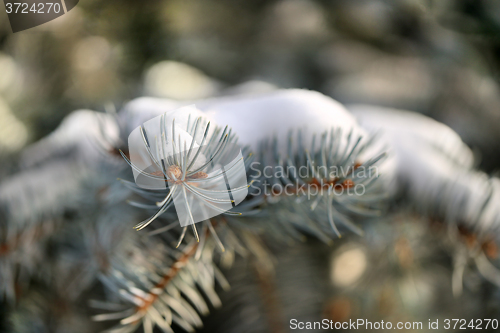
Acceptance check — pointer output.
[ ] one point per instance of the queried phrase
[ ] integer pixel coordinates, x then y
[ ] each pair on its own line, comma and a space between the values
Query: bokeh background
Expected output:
437, 57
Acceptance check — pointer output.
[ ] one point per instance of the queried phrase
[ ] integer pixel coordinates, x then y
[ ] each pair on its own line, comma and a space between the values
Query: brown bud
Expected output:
174, 171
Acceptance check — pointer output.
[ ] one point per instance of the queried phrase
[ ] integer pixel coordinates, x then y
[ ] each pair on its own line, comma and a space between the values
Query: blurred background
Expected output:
437, 57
